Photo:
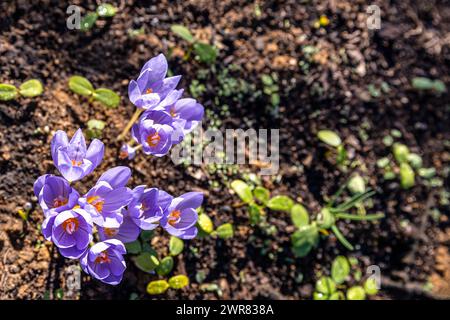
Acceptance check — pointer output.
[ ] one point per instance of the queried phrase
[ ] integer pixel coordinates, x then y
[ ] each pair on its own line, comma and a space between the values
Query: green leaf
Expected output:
427, 173
178, 282
370, 286
415, 160
325, 219
176, 246
31, 88
319, 296
267, 80
165, 266
356, 293
225, 231
340, 269
106, 10
157, 287
337, 296
108, 97
205, 223
383, 162
81, 85
88, 21
205, 52
146, 235
243, 190
299, 216
326, 286
356, 184
304, 239
7, 92
146, 261
341, 237
329, 137
439, 86
357, 198
255, 214
133, 247
422, 83
401, 152
280, 203
262, 194
96, 124
406, 176
182, 32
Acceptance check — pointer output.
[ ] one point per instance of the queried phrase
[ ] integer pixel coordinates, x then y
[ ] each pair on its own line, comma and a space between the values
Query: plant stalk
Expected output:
130, 123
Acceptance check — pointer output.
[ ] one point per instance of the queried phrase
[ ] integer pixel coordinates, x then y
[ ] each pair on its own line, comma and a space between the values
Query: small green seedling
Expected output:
104, 10
160, 286
407, 165
206, 227
422, 83
84, 87
307, 236
95, 128
332, 140
28, 89
205, 52
271, 89
333, 287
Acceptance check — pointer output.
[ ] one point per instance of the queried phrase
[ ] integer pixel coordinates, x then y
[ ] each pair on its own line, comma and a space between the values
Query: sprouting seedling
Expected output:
307, 236
323, 21
332, 139
205, 52
104, 10
28, 89
258, 199
422, 83
206, 227
95, 128
161, 286
271, 89
25, 211
332, 287
84, 87
405, 164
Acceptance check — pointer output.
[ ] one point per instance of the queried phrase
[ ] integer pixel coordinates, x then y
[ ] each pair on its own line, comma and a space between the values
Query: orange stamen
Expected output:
173, 113
148, 91
96, 202
110, 232
77, 163
58, 202
174, 216
70, 225
153, 139
102, 257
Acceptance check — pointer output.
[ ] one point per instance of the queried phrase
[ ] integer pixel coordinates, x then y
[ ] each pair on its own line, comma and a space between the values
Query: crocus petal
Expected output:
117, 198
77, 146
116, 177
39, 183
59, 140
158, 67
133, 91
95, 153
168, 85
188, 219
190, 200
171, 98
189, 233
72, 252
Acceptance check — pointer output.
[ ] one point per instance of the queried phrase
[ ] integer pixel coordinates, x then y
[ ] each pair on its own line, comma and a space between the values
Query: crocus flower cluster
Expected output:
167, 117
109, 212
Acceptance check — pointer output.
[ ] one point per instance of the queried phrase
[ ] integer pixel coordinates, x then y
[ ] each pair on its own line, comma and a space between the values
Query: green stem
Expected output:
368, 217
133, 119
341, 237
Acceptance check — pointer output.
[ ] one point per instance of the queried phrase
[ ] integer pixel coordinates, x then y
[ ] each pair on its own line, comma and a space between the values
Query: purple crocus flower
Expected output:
127, 152
106, 199
152, 86
154, 131
127, 232
148, 206
104, 261
180, 217
70, 231
186, 114
55, 194
73, 159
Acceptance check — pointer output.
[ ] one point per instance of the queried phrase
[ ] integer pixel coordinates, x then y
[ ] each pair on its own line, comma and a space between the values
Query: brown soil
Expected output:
331, 92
